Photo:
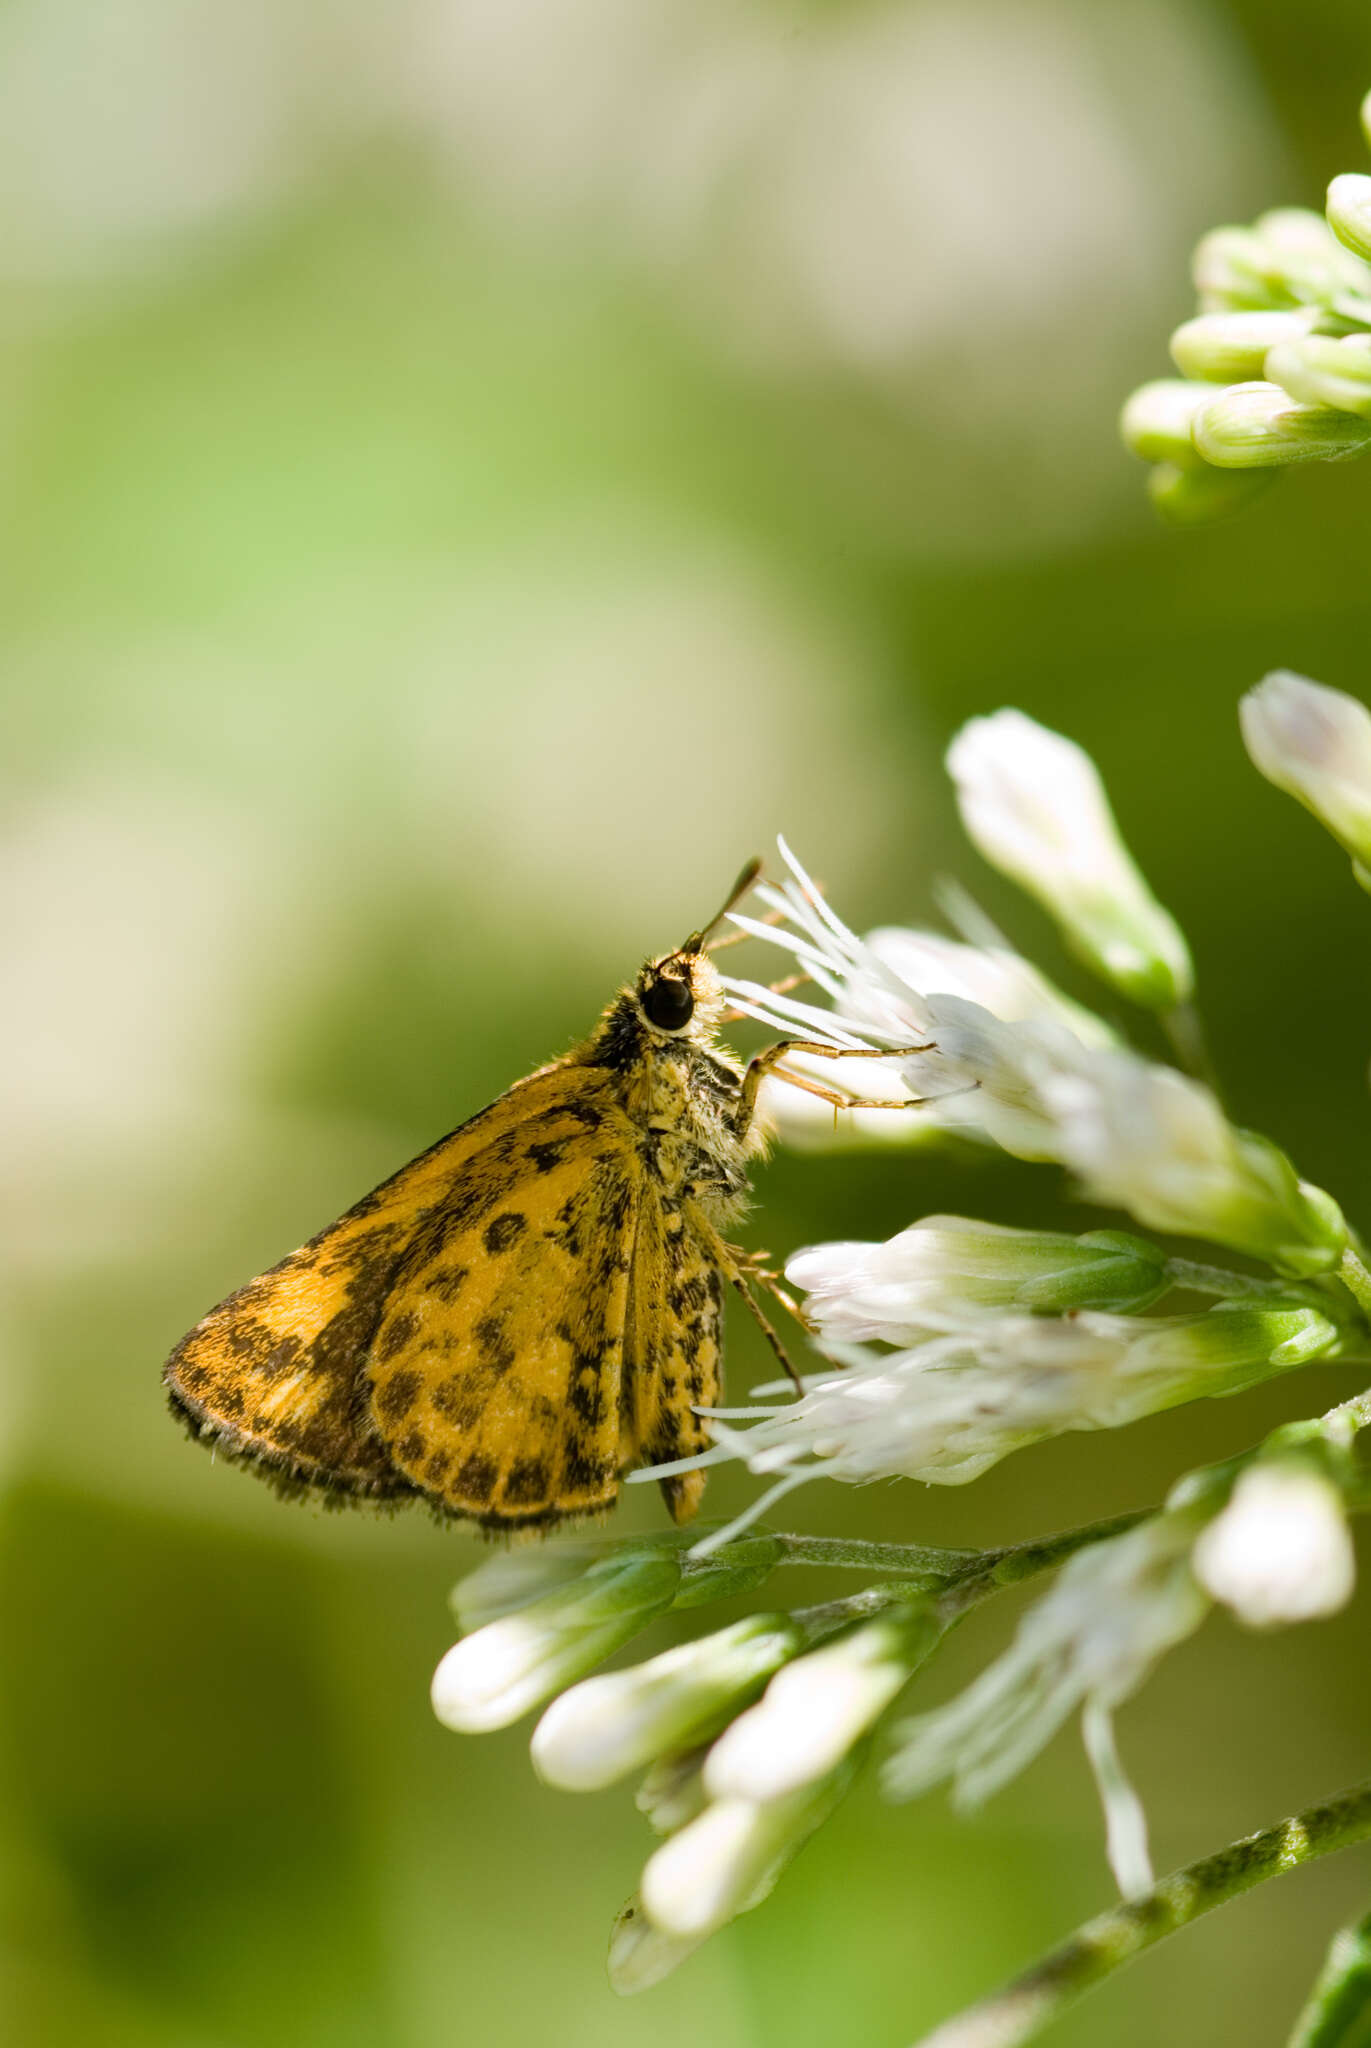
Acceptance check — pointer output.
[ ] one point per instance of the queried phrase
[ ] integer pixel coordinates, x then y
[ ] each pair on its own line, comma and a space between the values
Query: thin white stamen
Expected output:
783, 1014
709, 1544
714, 1456
1124, 1818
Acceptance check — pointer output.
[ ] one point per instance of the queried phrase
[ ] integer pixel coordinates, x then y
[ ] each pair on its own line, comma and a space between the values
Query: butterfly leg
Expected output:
739, 1279
734, 1266
764, 1062
755, 1266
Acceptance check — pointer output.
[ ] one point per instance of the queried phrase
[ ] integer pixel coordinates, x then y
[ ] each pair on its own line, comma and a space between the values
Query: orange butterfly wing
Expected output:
275, 1374
497, 1372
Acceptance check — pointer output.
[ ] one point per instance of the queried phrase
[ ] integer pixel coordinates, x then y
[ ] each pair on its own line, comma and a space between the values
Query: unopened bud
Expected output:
1155, 421
1253, 426
1225, 348
1319, 370
1349, 212
492, 1677
618, 1721
1315, 743
1197, 497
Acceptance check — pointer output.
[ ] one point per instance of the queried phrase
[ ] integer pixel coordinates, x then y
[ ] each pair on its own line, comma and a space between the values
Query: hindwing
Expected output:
496, 1373
275, 1374
673, 1352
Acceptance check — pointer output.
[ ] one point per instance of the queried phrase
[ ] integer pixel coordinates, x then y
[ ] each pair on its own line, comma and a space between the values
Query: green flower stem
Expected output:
921, 1569
909, 1560
1338, 2014
1022, 2009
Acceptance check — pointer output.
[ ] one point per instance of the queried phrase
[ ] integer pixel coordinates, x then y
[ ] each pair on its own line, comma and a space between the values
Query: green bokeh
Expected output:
425, 585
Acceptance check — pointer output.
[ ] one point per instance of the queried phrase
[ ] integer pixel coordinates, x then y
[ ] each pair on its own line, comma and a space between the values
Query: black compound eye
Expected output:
668, 1003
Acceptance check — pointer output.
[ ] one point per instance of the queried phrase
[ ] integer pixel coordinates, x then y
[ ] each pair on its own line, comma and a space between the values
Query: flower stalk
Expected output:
1022, 2010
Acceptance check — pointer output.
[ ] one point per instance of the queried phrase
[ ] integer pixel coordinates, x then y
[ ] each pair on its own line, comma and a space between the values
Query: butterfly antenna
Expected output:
696, 942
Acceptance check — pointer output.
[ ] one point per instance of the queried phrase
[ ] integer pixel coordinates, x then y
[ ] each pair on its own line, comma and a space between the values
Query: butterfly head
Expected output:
680, 994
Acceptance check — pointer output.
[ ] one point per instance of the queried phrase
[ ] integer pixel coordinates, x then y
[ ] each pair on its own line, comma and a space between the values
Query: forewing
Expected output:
495, 1374
673, 1353
274, 1374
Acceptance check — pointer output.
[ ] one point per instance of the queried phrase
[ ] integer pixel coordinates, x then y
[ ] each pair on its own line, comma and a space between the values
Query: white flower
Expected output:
1280, 1551
1033, 802
1315, 743
993, 976
1158, 1144
619, 1721
816, 1709
993, 1034
949, 1408
1094, 1638
1139, 1134
492, 1677
913, 985
982, 1074
726, 1860
949, 1270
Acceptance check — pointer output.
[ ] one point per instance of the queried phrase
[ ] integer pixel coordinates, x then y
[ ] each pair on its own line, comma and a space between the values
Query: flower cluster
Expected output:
953, 1344
747, 1737
1284, 327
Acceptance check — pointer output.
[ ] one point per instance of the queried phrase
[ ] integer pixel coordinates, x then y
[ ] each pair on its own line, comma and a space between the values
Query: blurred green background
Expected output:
474, 470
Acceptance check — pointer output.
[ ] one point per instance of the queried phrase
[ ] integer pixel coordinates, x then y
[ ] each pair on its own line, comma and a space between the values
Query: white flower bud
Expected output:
1304, 254
619, 1721
1140, 1135
950, 1270
1315, 743
1225, 348
1349, 212
1157, 1143
726, 1860
492, 1677
1155, 421
1280, 1551
1034, 804
1094, 1638
1320, 370
1256, 425
815, 1710
1233, 268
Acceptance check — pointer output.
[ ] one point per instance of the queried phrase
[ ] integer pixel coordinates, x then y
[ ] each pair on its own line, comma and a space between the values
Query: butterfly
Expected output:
531, 1307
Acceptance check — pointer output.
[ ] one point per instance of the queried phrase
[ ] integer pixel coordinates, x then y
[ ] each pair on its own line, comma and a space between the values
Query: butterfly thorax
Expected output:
683, 1091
